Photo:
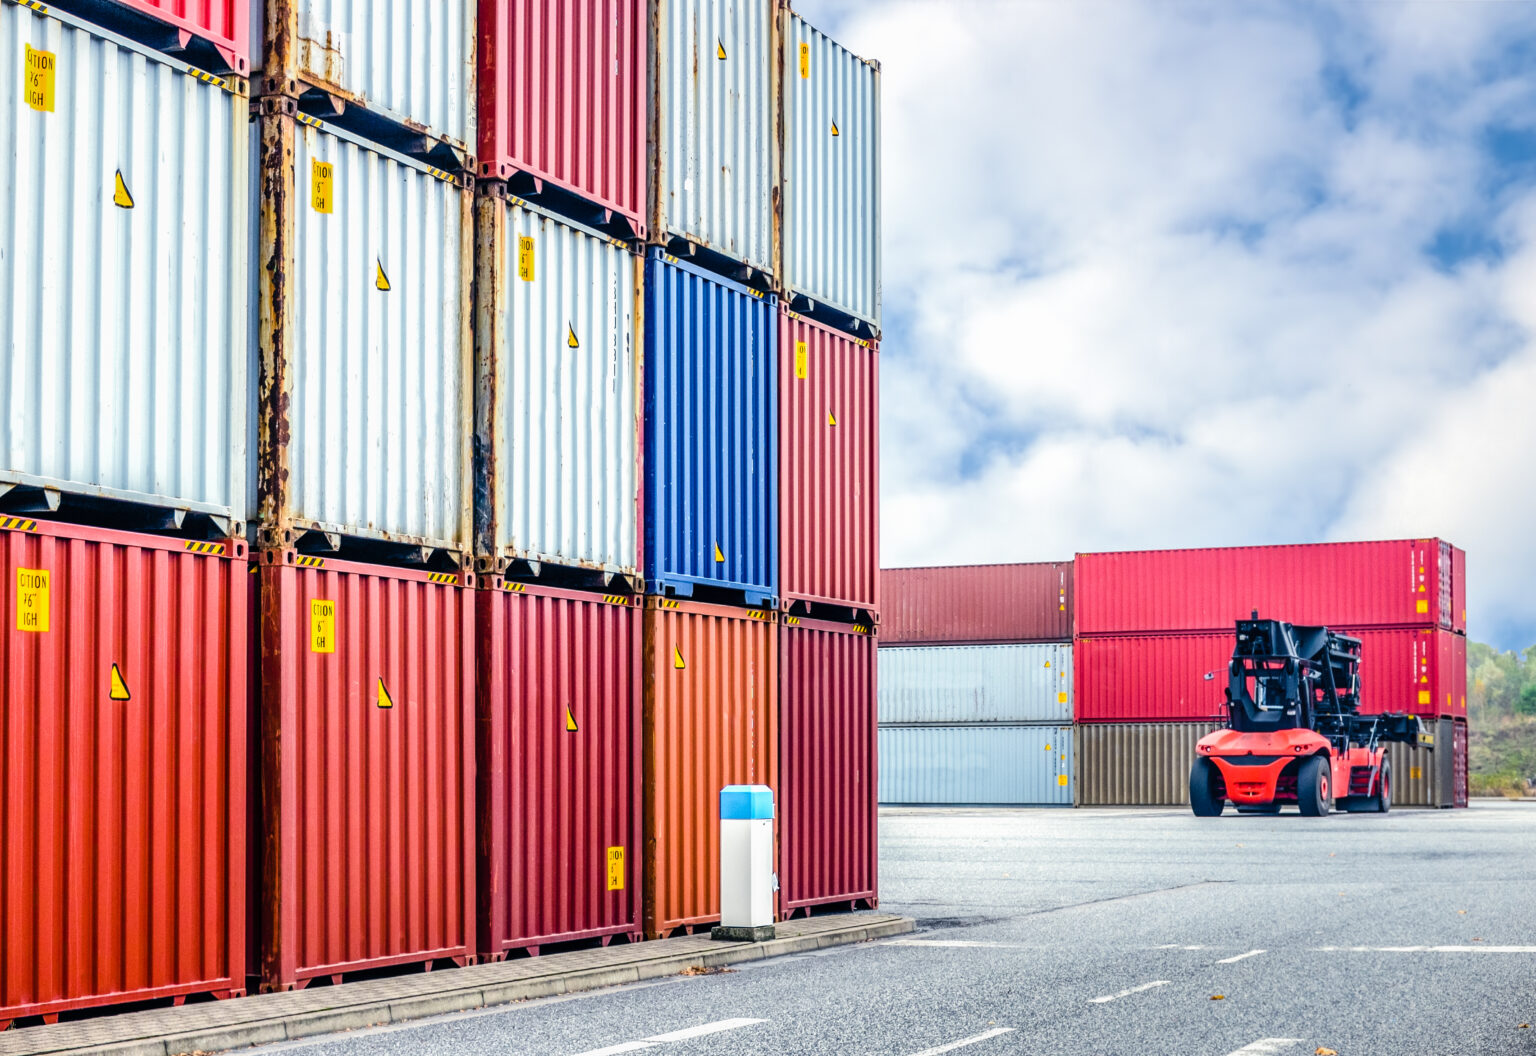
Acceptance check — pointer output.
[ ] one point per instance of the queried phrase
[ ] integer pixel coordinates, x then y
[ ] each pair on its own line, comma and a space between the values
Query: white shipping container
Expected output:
831, 174
976, 683
977, 764
715, 104
558, 374
123, 258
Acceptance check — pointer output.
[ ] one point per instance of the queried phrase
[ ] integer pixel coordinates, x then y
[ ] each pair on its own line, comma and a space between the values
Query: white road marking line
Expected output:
703, 1029
1127, 993
1176, 946
963, 1042
614, 1050
1241, 957
1426, 949
962, 944
1266, 1047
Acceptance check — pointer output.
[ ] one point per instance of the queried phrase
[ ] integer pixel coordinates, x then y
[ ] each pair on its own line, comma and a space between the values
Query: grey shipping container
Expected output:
1429, 776
976, 683
976, 765
1136, 764
123, 256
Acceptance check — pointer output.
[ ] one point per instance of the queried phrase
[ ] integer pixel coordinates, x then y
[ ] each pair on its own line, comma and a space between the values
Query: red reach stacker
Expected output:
1294, 732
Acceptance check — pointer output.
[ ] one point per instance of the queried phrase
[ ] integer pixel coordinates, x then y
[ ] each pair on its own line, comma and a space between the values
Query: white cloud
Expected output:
1161, 280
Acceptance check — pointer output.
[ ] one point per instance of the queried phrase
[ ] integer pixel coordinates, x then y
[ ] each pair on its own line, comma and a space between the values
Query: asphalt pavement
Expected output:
1107, 932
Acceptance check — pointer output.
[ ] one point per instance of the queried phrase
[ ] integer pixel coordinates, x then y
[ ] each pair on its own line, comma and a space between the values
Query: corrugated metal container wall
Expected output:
368, 761
558, 439
122, 767
711, 433
1375, 584
829, 465
976, 603
123, 256
1413, 774
976, 683
1143, 764
711, 719
831, 172
225, 24
966, 765
558, 780
379, 398
1460, 770
1432, 777
827, 764
563, 95
409, 61
1459, 590
716, 97
1422, 672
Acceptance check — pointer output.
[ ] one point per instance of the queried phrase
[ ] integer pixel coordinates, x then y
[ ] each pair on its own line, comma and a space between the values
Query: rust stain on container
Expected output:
367, 717
974, 604
558, 736
827, 808
122, 767
710, 719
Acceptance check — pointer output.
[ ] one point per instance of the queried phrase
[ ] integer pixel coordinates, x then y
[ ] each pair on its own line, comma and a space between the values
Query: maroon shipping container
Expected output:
827, 764
829, 467
1161, 678
367, 731
1459, 589
1399, 583
122, 768
976, 604
223, 24
1460, 777
562, 98
558, 731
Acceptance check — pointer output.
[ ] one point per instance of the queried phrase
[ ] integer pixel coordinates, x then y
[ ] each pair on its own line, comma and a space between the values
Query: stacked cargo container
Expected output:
976, 685
1154, 635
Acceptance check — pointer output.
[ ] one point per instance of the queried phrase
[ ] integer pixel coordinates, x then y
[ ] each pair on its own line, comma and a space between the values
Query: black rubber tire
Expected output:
1312, 791
1260, 808
1203, 797
1382, 800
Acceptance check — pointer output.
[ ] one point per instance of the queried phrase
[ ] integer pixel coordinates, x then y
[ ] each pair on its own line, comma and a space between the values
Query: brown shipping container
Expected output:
976, 604
558, 785
710, 720
367, 731
827, 762
829, 468
122, 768
1135, 764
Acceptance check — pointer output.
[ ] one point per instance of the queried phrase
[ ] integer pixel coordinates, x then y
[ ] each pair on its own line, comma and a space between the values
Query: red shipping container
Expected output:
562, 98
1458, 590
710, 720
367, 733
558, 730
122, 768
827, 764
976, 604
829, 467
1162, 678
1379, 584
223, 24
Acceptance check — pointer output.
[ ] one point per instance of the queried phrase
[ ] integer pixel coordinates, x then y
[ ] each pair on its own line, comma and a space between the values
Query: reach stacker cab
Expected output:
1294, 733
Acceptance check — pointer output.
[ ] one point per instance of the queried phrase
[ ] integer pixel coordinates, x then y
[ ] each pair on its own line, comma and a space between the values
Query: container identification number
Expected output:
615, 868
39, 79
525, 258
320, 176
32, 599
322, 626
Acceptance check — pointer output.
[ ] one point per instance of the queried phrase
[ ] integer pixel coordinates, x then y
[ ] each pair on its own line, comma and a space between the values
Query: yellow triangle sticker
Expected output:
719, 557
380, 280
123, 200
119, 690
719, 49
385, 700
570, 721
677, 659
831, 418
835, 132
570, 337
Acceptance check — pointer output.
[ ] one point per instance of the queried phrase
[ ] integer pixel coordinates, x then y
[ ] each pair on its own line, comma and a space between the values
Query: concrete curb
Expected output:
464, 989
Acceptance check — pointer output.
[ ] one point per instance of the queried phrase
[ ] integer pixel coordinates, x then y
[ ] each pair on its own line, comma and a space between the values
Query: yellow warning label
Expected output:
322, 626
1047, 663
1424, 696
1061, 698
570, 336
118, 689
385, 700
1423, 605
1415, 773
831, 418
719, 557
1061, 779
802, 360
805, 60
677, 658
120, 196
320, 176
380, 280
570, 721
835, 132
615, 868
525, 258
1047, 747
38, 79
32, 599
719, 49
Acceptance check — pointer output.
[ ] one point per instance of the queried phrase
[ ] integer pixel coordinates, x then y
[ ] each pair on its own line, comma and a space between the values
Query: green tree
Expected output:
1526, 705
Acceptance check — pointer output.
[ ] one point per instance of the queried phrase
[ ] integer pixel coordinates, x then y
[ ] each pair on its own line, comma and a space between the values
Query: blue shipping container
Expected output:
711, 434
966, 765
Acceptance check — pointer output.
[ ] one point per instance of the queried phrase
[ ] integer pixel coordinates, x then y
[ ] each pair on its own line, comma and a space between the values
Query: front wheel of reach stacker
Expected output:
1206, 795
1312, 791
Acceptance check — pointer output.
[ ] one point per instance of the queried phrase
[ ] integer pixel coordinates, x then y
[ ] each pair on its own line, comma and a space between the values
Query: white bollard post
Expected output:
746, 863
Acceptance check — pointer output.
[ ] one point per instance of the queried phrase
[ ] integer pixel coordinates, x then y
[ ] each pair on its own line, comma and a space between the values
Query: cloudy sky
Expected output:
1164, 273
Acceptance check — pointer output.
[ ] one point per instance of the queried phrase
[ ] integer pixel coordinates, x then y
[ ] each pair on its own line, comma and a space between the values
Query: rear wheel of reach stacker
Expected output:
1381, 802
1312, 791
1207, 796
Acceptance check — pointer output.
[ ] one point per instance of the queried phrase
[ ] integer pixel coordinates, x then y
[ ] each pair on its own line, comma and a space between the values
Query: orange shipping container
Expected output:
710, 720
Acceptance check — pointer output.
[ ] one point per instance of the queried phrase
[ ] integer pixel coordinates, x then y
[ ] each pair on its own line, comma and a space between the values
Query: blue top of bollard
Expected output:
746, 803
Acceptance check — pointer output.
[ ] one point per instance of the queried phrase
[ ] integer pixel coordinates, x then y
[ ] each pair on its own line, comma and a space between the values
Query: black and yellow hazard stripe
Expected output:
304, 561
444, 577
16, 524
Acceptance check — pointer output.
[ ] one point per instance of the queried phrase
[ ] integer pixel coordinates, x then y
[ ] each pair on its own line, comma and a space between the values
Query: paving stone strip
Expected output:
213, 1026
